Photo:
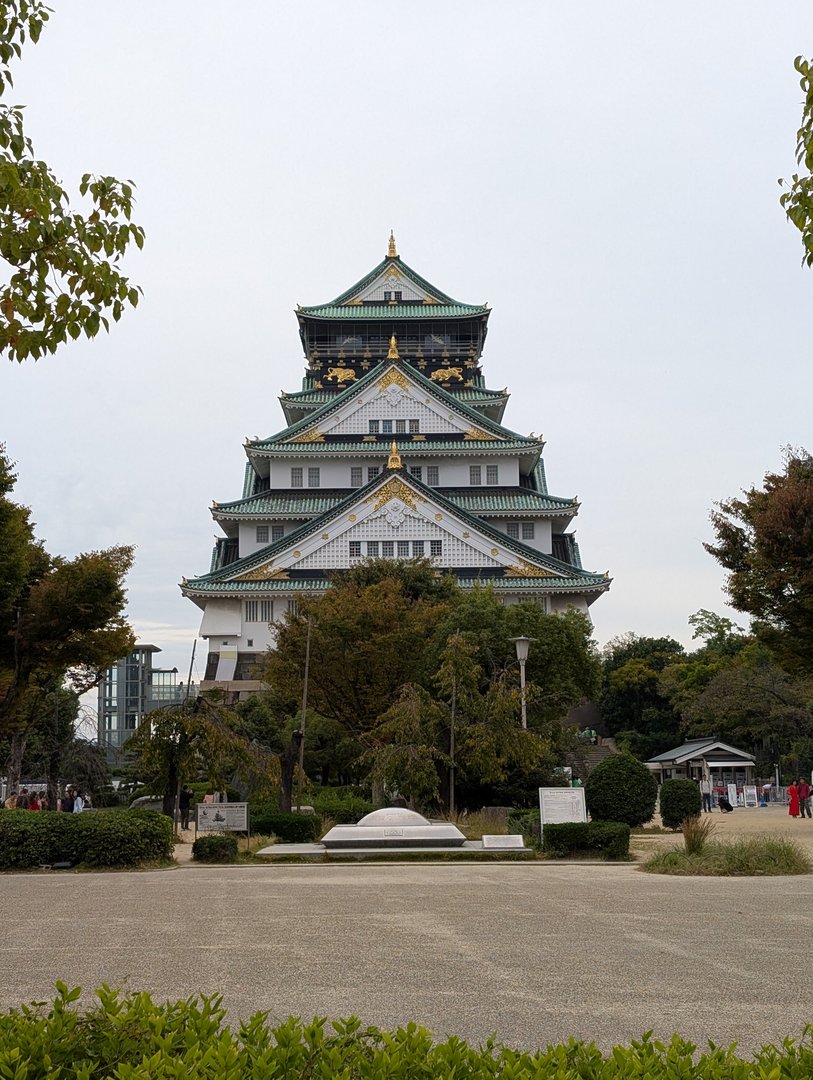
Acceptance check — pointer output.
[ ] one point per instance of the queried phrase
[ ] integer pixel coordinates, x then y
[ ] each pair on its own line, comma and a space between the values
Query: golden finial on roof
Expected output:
394, 460
393, 354
392, 253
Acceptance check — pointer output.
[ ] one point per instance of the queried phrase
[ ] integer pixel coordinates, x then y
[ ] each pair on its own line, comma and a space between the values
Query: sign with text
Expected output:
558, 804
750, 794
732, 794
222, 817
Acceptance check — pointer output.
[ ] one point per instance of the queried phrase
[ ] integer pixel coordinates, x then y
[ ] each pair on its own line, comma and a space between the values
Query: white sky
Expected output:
604, 175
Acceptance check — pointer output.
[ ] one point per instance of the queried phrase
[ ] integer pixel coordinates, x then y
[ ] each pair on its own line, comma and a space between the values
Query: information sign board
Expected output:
732, 794
222, 817
750, 794
561, 804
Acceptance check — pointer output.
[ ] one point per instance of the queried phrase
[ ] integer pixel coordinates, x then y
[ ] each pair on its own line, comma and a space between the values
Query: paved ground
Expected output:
533, 952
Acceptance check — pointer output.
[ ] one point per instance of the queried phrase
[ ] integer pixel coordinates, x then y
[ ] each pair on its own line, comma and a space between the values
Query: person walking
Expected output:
11, 801
33, 801
184, 805
66, 802
793, 798
804, 799
706, 791
78, 802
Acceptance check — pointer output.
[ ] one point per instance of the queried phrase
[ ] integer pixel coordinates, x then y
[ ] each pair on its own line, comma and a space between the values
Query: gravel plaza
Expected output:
532, 952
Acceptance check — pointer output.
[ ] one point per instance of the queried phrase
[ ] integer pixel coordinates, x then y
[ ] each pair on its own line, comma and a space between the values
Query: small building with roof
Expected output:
697, 758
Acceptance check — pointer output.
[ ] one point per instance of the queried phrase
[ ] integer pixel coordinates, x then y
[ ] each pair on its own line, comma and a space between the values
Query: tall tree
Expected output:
797, 196
64, 277
60, 619
765, 542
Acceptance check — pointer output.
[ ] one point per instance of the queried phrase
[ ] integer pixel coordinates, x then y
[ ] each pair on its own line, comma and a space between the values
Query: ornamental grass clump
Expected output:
753, 856
696, 834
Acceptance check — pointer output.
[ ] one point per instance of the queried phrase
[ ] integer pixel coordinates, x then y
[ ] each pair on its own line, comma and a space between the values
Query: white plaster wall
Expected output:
430, 415
221, 618
543, 533
455, 471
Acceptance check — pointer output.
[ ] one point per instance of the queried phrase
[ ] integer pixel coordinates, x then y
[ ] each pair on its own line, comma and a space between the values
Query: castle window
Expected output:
251, 611
432, 476
512, 528
355, 549
372, 427
492, 474
277, 532
527, 530
403, 549
475, 475
416, 471
356, 476
436, 548
400, 427
372, 472
313, 476
372, 549
417, 549
296, 476
386, 427
387, 548
262, 534
414, 426
266, 610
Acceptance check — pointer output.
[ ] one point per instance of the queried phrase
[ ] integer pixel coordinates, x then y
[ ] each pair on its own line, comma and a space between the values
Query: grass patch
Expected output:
755, 856
475, 824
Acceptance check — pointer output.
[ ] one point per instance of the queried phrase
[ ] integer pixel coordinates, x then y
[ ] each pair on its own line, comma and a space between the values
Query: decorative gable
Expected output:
391, 286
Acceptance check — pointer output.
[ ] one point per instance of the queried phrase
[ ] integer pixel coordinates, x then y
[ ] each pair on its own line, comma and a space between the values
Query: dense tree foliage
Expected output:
60, 619
765, 542
199, 739
399, 657
621, 788
63, 268
797, 196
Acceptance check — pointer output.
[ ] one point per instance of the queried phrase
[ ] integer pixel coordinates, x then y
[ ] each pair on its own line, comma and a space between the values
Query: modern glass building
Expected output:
130, 690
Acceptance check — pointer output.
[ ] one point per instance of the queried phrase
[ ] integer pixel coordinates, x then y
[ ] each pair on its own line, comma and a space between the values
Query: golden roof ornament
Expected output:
394, 460
393, 353
391, 252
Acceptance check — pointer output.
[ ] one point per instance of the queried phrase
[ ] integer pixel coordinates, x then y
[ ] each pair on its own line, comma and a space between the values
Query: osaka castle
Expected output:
394, 448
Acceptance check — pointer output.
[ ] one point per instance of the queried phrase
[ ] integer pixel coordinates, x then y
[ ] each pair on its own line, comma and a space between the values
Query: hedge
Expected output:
608, 838
527, 824
288, 828
215, 849
679, 799
100, 838
131, 1037
340, 805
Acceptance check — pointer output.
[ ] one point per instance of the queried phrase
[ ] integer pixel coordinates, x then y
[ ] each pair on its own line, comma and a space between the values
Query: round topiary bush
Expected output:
621, 788
680, 799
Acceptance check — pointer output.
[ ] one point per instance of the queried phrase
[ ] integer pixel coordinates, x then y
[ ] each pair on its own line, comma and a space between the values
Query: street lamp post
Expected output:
301, 762
522, 645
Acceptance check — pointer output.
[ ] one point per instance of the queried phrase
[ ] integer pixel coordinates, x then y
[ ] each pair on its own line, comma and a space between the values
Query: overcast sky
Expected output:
603, 174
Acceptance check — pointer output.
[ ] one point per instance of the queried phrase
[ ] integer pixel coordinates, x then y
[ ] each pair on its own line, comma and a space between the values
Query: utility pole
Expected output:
302, 721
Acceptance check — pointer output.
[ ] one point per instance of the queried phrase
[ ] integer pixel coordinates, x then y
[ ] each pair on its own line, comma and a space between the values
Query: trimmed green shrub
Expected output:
608, 838
215, 849
621, 788
131, 1036
101, 838
340, 805
288, 828
680, 799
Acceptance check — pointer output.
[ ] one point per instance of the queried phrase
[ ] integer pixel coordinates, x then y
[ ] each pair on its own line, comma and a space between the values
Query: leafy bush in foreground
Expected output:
621, 788
132, 1038
755, 856
101, 838
679, 799
288, 828
215, 849
608, 838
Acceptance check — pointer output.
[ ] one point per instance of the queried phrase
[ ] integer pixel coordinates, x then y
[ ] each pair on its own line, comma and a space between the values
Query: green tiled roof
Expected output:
511, 500
405, 446
257, 558
411, 275
588, 583
475, 501
396, 312
468, 395
449, 400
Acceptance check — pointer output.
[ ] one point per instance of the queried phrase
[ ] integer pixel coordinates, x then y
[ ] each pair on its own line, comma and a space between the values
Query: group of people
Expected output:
799, 798
71, 802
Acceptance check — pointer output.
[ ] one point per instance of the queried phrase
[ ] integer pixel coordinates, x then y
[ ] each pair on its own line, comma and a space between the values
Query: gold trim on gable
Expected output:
393, 377
395, 488
312, 436
527, 570
478, 433
267, 572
